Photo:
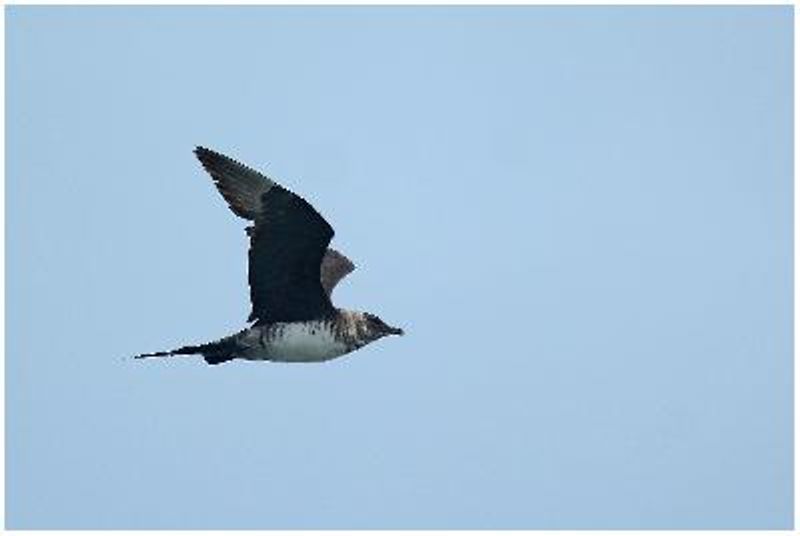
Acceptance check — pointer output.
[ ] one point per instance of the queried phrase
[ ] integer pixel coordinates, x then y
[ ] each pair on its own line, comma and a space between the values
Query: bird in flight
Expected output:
291, 273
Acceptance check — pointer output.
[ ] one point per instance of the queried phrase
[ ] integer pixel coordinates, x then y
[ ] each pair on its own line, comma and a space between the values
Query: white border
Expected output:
411, 2
408, 2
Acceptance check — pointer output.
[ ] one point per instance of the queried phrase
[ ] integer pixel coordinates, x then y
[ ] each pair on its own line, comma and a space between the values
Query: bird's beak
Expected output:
395, 331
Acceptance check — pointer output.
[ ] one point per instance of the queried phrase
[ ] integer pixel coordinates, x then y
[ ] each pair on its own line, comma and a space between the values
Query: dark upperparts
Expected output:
287, 242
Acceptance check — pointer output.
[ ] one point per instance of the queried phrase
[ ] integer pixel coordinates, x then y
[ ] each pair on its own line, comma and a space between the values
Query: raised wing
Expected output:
287, 242
335, 267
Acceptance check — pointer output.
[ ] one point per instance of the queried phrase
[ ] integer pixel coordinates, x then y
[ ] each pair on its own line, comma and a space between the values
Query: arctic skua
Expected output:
291, 273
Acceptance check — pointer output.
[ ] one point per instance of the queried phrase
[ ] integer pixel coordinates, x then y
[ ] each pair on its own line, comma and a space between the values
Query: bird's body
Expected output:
292, 273
314, 340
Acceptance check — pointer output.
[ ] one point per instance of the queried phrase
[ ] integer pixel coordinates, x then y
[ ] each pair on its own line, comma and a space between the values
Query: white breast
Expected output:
306, 341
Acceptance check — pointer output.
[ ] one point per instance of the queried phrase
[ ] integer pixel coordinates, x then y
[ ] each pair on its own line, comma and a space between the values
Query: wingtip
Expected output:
208, 157
200, 151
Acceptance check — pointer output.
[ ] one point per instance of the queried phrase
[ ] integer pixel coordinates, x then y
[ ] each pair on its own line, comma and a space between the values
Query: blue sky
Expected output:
581, 217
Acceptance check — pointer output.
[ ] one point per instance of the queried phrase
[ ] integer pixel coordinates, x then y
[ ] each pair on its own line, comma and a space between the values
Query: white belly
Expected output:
297, 342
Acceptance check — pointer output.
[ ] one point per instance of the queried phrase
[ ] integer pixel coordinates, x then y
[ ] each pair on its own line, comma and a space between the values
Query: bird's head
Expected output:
378, 328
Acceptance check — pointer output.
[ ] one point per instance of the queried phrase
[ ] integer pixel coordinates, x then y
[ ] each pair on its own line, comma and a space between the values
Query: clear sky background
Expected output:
581, 217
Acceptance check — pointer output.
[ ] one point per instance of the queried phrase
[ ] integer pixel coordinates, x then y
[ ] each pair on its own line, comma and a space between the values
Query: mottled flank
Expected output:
292, 273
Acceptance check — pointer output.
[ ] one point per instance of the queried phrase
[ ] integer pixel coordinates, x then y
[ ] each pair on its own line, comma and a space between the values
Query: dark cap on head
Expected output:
380, 327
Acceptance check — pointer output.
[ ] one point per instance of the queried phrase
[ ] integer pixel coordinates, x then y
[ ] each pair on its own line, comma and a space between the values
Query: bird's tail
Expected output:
213, 352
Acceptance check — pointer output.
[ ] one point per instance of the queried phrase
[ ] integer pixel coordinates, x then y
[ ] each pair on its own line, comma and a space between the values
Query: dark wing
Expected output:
287, 242
242, 187
335, 267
